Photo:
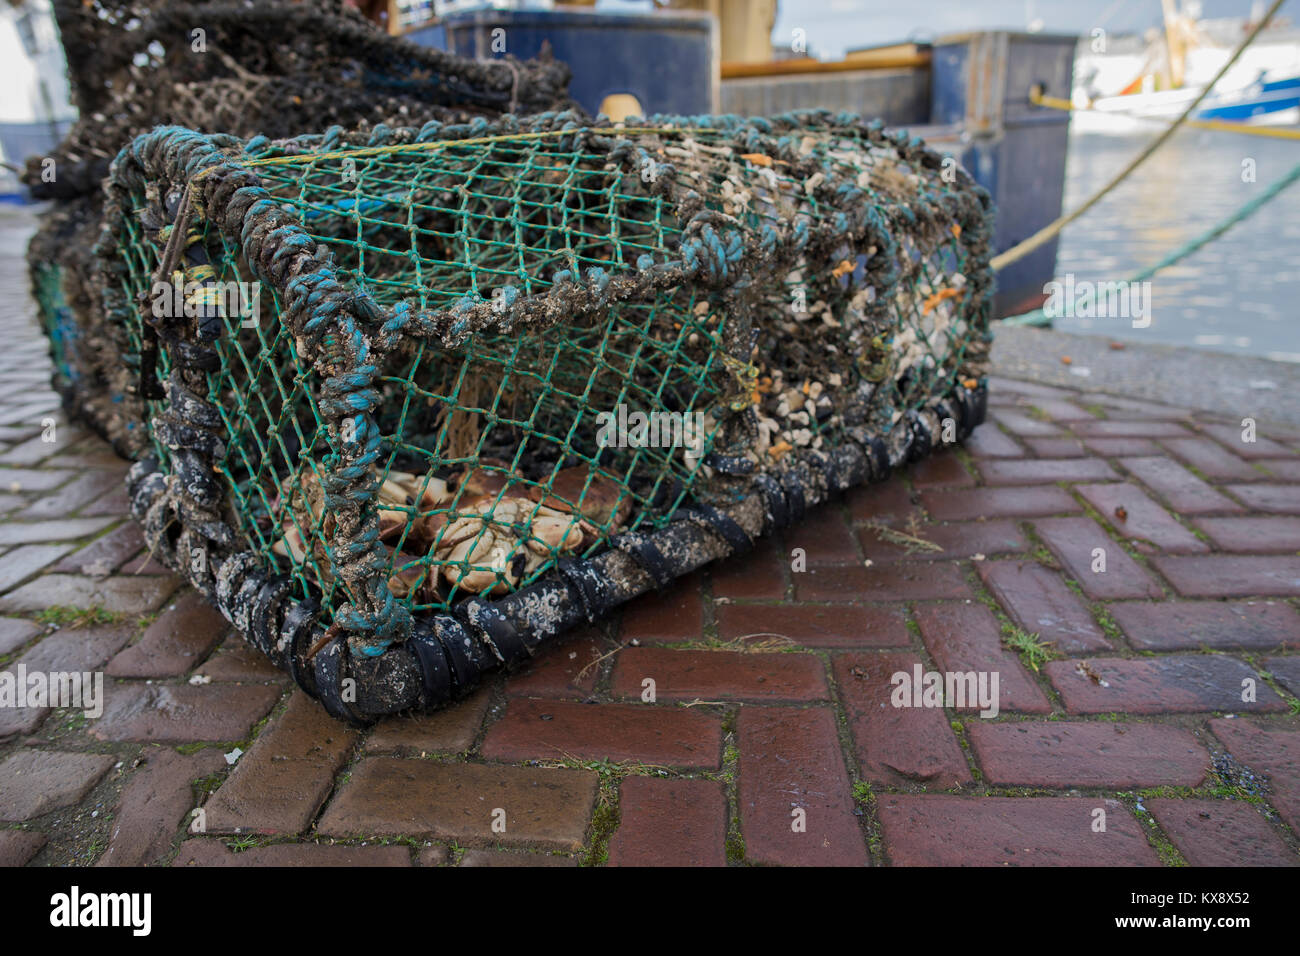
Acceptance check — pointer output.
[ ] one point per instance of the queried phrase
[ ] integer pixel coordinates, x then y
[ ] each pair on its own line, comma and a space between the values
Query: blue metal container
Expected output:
1014, 149
668, 61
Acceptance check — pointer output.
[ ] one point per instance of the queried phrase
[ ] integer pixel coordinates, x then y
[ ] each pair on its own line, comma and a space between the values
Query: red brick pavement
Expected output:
746, 715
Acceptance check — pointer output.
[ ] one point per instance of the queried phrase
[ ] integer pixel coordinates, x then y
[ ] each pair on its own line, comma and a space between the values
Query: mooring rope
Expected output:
1038, 317
1053, 229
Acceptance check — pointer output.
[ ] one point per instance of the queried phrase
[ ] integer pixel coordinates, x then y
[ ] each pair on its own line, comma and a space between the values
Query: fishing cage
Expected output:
259, 67
417, 408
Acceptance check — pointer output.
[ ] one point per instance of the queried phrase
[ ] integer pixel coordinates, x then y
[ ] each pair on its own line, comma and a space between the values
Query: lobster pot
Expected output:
265, 67
420, 407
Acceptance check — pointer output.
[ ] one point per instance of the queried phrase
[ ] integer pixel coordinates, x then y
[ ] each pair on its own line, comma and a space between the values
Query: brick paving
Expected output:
744, 716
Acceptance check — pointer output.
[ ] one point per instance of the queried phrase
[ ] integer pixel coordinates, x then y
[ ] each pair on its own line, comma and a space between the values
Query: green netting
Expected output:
421, 402
252, 67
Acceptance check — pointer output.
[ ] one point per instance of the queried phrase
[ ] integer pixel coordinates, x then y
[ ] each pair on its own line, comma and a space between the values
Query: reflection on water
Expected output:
1241, 293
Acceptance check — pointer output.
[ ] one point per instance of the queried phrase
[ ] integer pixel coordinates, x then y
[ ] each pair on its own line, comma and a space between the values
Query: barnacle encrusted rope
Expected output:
398, 478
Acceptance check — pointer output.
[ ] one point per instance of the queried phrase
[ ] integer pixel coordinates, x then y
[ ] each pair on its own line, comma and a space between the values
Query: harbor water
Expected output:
1240, 293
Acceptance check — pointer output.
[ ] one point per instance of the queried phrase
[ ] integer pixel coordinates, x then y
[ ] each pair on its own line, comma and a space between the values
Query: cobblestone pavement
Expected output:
1152, 721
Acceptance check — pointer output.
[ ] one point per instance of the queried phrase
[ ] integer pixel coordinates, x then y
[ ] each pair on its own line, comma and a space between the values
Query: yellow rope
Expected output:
1056, 103
1053, 229
306, 158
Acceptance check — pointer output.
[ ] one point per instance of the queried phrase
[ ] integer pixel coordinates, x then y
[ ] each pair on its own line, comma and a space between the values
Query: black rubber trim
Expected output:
435, 671
737, 540
774, 497
328, 666
641, 549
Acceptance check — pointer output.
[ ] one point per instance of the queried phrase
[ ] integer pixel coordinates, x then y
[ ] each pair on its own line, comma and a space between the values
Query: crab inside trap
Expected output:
507, 366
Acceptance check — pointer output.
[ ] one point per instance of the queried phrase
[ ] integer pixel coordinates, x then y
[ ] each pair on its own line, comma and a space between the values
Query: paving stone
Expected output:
966, 637
120, 595
887, 502
790, 760
1150, 428
718, 675
29, 479
899, 581
388, 796
1276, 499
451, 730
1286, 670
15, 632
1218, 625
1229, 576
1134, 515
515, 859
675, 614
568, 669
18, 847
554, 729
89, 486
942, 830
989, 441
105, 554
1210, 459
958, 541
157, 799
164, 713
1284, 468
115, 502
280, 783
201, 852
759, 574
434, 856
670, 823
1075, 541
943, 469
1185, 493
1037, 599
814, 625
1055, 448
1041, 471
1231, 437
63, 652
175, 643
1128, 408
1021, 424
22, 562
1174, 683
896, 746
973, 503
236, 660
1253, 535
34, 782
1058, 753
1275, 754
1221, 833
824, 536
1121, 447
38, 532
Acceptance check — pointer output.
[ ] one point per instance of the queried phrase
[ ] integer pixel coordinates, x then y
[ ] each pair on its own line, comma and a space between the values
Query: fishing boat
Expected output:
1122, 85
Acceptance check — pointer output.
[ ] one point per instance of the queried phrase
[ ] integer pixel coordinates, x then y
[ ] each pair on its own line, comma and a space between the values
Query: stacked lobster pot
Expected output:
419, 405
260, 67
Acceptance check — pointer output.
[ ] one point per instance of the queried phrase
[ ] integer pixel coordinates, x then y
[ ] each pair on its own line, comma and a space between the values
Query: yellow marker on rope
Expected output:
1056, 103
